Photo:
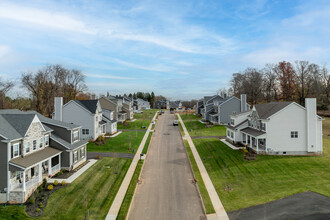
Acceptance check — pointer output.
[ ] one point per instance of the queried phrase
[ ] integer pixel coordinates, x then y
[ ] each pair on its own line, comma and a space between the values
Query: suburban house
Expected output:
125, 107
176, 105
217, 109
162, 104
280, 128
111, 122
199, 106
140, 104
87, 113
33, 147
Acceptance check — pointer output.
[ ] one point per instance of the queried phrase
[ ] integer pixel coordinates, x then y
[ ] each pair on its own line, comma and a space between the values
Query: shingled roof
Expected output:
266, 110
90, 105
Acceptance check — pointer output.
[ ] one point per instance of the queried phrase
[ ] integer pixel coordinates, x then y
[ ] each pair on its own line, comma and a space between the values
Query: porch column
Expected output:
24, 181
50, 167
40, 172
251, 143
59, 161
257, 144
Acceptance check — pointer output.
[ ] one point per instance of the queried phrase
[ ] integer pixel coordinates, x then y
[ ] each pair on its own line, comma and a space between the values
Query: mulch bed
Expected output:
41, 197
64, 174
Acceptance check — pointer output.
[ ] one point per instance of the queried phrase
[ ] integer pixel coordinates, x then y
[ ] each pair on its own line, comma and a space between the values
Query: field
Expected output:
241, 183
93, 192
195, 128
120, 143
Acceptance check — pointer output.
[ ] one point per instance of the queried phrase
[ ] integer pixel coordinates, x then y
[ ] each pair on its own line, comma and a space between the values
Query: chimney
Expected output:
224, 95
58, 105
93, 96
310, 105
243, 102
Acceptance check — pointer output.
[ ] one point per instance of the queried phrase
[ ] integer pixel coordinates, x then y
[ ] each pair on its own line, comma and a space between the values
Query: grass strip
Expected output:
146, 145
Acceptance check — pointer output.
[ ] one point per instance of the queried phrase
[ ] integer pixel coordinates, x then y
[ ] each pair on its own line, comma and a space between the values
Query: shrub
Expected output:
31, 200
36, 193
63, 183
40, 188
55, 183
42, 198
44, 183
37, 210
41, 206
50, 187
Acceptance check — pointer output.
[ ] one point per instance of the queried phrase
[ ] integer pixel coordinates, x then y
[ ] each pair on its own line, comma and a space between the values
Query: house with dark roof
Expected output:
86, 113
33, 147
175, 105
162, 104
217, 109
140, 104
280, 128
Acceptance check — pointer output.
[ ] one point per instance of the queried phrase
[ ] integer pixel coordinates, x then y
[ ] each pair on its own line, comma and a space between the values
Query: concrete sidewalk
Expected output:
217, 205
230, 145
76, 174
114, 209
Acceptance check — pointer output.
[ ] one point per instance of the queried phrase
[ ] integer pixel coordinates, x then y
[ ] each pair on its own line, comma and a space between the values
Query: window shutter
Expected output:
12, 151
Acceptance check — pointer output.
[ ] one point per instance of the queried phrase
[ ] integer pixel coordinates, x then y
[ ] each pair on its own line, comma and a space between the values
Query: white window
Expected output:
96, 119
41, 142
19, 175
232, 134
27, 147
232, 121
294, 134
75, 156
46, 140
75, 135
15, 150
82, 152
228, 133
34, 144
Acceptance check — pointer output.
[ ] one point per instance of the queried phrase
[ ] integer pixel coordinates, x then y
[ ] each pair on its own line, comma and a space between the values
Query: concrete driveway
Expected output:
166, 191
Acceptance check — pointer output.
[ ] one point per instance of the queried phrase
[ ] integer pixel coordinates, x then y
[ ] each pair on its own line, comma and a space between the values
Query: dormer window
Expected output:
75, 136
232, 122
47, 140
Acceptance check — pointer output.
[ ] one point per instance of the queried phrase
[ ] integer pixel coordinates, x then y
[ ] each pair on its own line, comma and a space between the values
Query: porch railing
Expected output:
32, 182
56, 168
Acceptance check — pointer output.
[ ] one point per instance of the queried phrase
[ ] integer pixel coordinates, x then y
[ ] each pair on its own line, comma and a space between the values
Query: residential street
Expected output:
167, 191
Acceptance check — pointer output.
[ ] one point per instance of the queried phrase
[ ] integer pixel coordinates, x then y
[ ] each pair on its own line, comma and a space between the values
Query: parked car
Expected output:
175, 123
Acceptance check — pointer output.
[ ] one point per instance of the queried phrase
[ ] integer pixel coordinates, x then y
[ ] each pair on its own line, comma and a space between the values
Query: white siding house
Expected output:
282, 128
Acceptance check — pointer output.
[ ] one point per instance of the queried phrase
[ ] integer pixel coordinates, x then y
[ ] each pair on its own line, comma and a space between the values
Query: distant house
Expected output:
217, 109
175, 105
140, 104
125, 107
280, 128
199, 106
87, 113
33, 147
162, 104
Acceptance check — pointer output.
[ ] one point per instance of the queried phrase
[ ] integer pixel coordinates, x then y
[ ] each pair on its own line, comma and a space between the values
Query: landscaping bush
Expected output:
107, 134
50, 187
55, 183
100, 140
44, 183
37, 210
31, 200
63, 183
40, 204
40, 188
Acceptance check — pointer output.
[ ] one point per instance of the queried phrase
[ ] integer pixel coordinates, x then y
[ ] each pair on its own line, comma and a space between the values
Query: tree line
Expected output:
284, 81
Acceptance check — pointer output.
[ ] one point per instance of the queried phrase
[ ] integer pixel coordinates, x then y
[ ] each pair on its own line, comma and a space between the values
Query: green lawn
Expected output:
241, 183
120, 143
94, 190
202, 189
195, 128
146, 115
130, 192
190, 116
135, 124
146, 146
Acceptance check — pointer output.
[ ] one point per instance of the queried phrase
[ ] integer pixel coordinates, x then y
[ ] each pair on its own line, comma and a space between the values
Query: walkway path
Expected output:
74, 176
114, 209
167, 190
230, 145
93, 155
218, 207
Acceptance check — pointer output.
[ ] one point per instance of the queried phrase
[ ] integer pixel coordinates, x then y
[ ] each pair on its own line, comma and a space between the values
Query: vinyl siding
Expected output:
3, 165
227, 108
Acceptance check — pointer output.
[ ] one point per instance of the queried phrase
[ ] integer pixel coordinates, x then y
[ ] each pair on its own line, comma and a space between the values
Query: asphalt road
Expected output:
307, 205
166, 191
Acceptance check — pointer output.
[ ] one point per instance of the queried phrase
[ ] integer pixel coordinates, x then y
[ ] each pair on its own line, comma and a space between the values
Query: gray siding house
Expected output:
33, 147
217, 109
140, 104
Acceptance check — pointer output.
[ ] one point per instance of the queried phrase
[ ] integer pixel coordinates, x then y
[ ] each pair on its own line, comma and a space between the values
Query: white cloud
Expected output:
107, 76
45, 18
152, 68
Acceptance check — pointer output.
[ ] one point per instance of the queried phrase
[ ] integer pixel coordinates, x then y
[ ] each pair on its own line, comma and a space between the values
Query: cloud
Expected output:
45, 18
107, 76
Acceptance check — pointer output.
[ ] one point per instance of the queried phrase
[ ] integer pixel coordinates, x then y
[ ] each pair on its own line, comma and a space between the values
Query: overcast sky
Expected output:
180, 49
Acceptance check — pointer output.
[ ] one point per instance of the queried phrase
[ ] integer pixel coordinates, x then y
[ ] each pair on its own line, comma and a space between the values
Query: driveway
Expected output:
166, 191
307, 205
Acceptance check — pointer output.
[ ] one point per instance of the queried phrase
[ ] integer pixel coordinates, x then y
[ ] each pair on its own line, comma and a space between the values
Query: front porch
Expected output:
27, 173
214, 118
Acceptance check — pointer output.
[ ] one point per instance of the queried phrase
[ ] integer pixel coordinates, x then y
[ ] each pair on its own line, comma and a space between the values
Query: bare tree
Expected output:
304, 80
270, 85
5, 86
326, 83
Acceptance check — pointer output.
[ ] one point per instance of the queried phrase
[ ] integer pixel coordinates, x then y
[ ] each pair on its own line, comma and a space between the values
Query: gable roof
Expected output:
20, 122
90, 105
266, 110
